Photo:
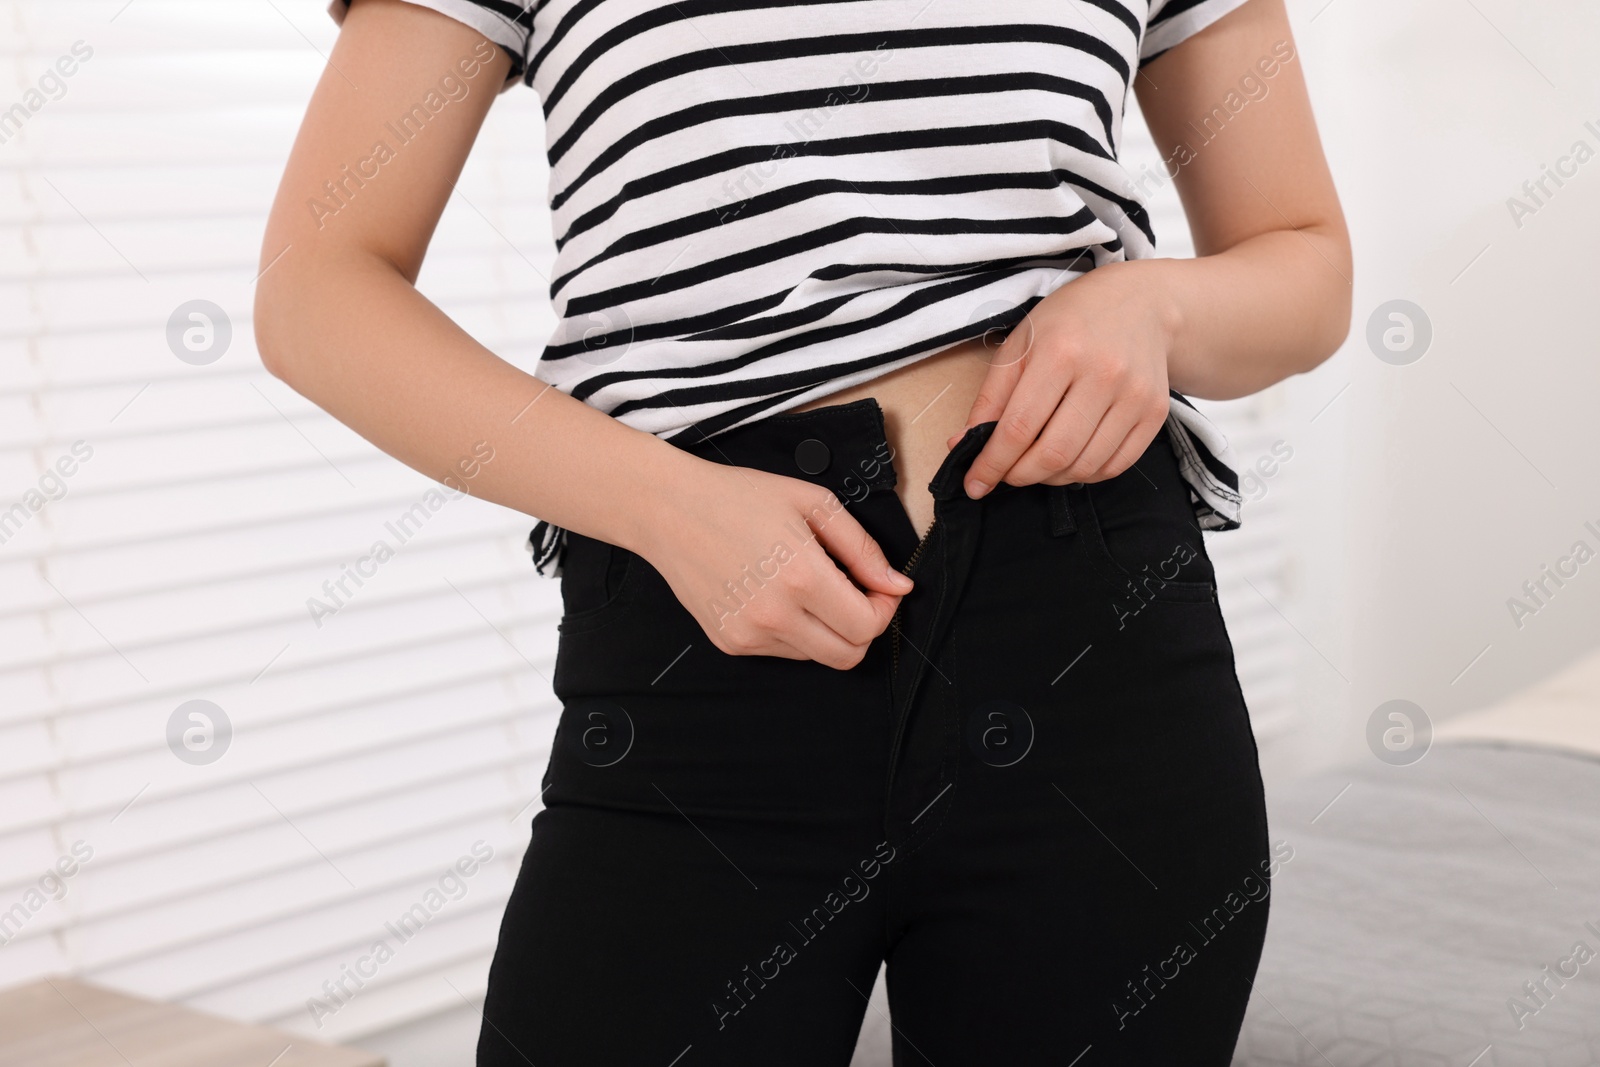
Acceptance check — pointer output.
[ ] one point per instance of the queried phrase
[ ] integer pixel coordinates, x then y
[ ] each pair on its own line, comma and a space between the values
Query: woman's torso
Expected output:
758, 204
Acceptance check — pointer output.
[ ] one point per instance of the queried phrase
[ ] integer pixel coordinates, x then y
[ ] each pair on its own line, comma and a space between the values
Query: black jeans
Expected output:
1037, 798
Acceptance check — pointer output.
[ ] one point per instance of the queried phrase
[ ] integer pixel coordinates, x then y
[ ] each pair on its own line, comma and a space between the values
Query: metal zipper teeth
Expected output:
894, 622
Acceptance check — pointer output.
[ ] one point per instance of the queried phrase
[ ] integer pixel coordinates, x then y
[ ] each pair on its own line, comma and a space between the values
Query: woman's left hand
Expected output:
1079, 387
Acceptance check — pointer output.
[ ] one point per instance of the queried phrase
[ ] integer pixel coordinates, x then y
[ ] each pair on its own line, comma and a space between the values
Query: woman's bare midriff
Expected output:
923, 405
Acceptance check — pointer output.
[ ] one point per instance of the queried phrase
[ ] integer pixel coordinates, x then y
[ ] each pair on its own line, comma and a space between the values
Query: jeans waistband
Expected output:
842, 447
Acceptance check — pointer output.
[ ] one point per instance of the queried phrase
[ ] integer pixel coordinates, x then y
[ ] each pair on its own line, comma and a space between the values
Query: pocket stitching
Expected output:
594, 618
1087, 521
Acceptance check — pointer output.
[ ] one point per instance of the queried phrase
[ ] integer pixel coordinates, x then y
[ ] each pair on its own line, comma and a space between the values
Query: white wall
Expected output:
1430, 492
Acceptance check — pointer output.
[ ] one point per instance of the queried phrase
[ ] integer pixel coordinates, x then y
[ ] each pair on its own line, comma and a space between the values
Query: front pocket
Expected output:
1152, 555
595, 580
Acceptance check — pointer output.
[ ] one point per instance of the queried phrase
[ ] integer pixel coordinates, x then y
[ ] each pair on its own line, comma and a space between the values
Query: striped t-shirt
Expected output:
757, 203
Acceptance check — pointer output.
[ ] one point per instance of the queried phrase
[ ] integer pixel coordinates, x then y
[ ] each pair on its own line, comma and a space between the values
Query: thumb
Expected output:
1005, 371
848, 542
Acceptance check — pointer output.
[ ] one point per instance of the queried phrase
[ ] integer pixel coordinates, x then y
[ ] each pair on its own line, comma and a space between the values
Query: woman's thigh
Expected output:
713, 874
704, 879
1100, 880
648, 936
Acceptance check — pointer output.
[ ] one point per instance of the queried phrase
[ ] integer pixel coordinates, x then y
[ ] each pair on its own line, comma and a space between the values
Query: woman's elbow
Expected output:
273, 322
287, 308
1337, 328
1332, 298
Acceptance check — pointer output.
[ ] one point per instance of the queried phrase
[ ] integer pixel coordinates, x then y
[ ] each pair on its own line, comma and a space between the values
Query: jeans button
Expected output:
812, 456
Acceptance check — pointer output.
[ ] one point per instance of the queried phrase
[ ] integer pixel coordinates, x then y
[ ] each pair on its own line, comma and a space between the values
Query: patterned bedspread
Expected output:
1443, 913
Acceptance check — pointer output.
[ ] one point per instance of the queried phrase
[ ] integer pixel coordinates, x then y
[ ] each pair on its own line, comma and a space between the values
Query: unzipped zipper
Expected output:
894, 622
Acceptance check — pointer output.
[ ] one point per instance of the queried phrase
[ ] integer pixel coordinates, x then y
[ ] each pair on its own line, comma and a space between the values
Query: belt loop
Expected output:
1062, 519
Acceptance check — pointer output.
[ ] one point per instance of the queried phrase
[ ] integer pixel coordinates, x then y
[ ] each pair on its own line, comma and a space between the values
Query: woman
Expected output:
889, 632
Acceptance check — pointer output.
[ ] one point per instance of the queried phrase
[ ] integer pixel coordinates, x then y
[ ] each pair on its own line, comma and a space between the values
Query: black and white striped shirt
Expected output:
757, 203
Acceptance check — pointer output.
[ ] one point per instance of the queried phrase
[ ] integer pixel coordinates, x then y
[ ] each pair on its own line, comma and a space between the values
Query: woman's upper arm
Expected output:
384, 139
1230, 115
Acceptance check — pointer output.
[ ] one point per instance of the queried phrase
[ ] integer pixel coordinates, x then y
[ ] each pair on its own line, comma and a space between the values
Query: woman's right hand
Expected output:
752, 556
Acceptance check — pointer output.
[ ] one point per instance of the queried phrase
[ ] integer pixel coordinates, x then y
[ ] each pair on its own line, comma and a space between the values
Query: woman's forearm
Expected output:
352, 334
1273, 305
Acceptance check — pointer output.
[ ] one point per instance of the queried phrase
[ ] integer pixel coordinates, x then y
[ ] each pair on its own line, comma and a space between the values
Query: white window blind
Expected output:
207, 503
369, 754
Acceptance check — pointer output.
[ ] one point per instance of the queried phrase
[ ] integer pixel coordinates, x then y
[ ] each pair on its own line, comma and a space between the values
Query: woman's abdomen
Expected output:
923, 405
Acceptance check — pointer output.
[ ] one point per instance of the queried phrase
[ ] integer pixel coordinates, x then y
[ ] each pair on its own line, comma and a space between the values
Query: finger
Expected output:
781, 649
1126, 454
822, 643
1083, 408
774, 647
846, 540
1115, 425
1028, 409
771, 624
792, 632
752, 639
826, 593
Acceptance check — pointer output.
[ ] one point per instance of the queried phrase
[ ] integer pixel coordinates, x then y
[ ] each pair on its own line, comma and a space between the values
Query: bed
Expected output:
1446, 912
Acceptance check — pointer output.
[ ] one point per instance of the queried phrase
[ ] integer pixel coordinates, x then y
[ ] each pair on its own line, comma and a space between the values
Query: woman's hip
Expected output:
1092, 608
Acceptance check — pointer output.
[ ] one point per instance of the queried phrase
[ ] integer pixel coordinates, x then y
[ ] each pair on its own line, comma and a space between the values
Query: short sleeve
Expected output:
508, 23
1171, 22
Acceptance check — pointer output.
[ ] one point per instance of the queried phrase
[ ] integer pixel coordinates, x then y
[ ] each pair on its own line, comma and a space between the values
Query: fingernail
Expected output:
897, 579
975, 488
